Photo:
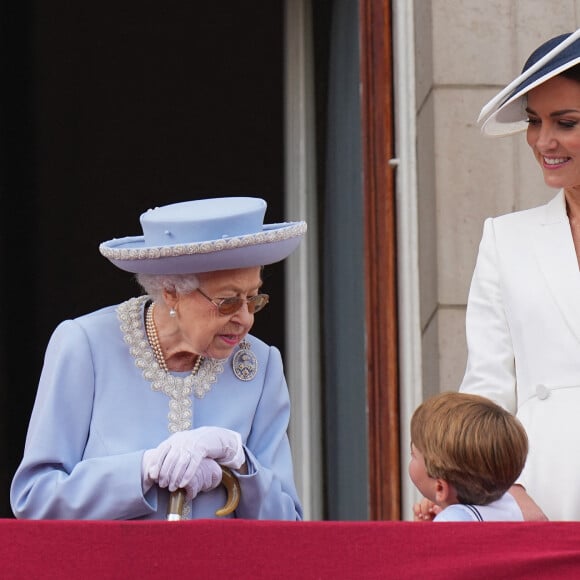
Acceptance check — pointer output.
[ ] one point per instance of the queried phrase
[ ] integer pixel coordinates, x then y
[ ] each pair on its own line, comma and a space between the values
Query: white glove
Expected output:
207, 477
150, 459
175, 461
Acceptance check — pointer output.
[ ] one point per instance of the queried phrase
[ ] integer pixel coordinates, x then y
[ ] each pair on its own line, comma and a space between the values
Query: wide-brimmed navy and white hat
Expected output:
506, 113
203, 236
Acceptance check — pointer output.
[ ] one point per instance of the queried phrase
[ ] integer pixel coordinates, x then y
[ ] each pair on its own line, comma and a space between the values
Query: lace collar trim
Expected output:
177, 388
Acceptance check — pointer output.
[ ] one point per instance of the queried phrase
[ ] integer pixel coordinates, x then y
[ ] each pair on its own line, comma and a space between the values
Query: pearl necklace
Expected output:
153, 338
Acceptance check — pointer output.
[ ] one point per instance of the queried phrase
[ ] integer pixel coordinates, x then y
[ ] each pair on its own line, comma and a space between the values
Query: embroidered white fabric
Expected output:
177, 388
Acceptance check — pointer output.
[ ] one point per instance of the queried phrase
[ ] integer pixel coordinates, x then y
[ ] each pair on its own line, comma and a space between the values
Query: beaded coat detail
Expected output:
178, 388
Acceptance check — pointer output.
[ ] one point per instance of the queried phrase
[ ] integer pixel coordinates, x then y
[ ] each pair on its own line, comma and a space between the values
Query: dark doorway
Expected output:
108, 109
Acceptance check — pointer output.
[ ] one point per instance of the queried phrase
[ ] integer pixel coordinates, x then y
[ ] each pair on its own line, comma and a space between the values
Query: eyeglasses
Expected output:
228, 306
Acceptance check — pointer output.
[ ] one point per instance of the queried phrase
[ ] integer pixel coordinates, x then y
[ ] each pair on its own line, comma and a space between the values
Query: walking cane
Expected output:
229, 481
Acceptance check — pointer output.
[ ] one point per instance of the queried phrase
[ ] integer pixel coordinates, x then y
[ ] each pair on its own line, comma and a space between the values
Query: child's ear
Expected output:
442, 491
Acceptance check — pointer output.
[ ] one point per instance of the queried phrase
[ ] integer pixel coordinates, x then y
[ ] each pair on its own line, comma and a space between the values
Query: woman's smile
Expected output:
555, 162
554, 131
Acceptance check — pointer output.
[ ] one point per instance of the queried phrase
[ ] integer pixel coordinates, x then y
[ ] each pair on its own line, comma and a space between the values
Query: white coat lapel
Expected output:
557, 260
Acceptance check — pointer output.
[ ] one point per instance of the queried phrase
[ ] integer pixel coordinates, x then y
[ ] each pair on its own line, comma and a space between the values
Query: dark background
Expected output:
107, 109
110, 108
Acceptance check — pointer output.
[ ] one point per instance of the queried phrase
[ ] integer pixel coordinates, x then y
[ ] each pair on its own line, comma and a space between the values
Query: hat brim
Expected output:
511, 116
505, 113
273, 244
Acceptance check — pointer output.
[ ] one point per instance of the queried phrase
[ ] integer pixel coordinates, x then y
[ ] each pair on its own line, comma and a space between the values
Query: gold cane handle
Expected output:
232, 485
229, 481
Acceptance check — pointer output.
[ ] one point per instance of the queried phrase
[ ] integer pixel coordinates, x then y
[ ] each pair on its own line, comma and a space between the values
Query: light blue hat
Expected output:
203, 236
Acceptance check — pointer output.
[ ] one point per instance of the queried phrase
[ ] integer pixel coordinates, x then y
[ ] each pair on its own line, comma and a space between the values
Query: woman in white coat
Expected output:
523, 313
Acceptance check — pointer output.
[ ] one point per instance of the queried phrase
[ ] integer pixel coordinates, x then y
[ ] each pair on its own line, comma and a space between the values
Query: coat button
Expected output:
542, 392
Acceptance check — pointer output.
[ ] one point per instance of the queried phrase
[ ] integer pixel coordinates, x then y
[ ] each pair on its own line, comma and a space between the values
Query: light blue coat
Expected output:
95, 415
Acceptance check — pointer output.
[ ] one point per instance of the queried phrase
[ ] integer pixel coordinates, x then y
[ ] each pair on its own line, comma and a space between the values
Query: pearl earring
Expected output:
173, 313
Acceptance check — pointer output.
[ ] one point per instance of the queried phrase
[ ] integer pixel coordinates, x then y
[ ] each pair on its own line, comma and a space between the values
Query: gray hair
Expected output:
155, 284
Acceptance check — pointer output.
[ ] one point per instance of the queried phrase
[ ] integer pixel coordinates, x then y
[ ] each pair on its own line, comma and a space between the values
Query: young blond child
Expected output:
466, 452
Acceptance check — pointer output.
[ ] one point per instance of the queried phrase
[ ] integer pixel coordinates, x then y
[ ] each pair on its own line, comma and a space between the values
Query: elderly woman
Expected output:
159, 393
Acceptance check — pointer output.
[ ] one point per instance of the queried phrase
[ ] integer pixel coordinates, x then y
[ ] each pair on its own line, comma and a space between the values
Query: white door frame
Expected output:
302, 305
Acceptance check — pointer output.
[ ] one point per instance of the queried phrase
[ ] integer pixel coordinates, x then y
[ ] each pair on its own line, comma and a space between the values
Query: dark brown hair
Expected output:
572, 73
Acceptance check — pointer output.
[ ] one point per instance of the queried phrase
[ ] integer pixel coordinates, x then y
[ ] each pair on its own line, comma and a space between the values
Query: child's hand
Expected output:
425, 510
